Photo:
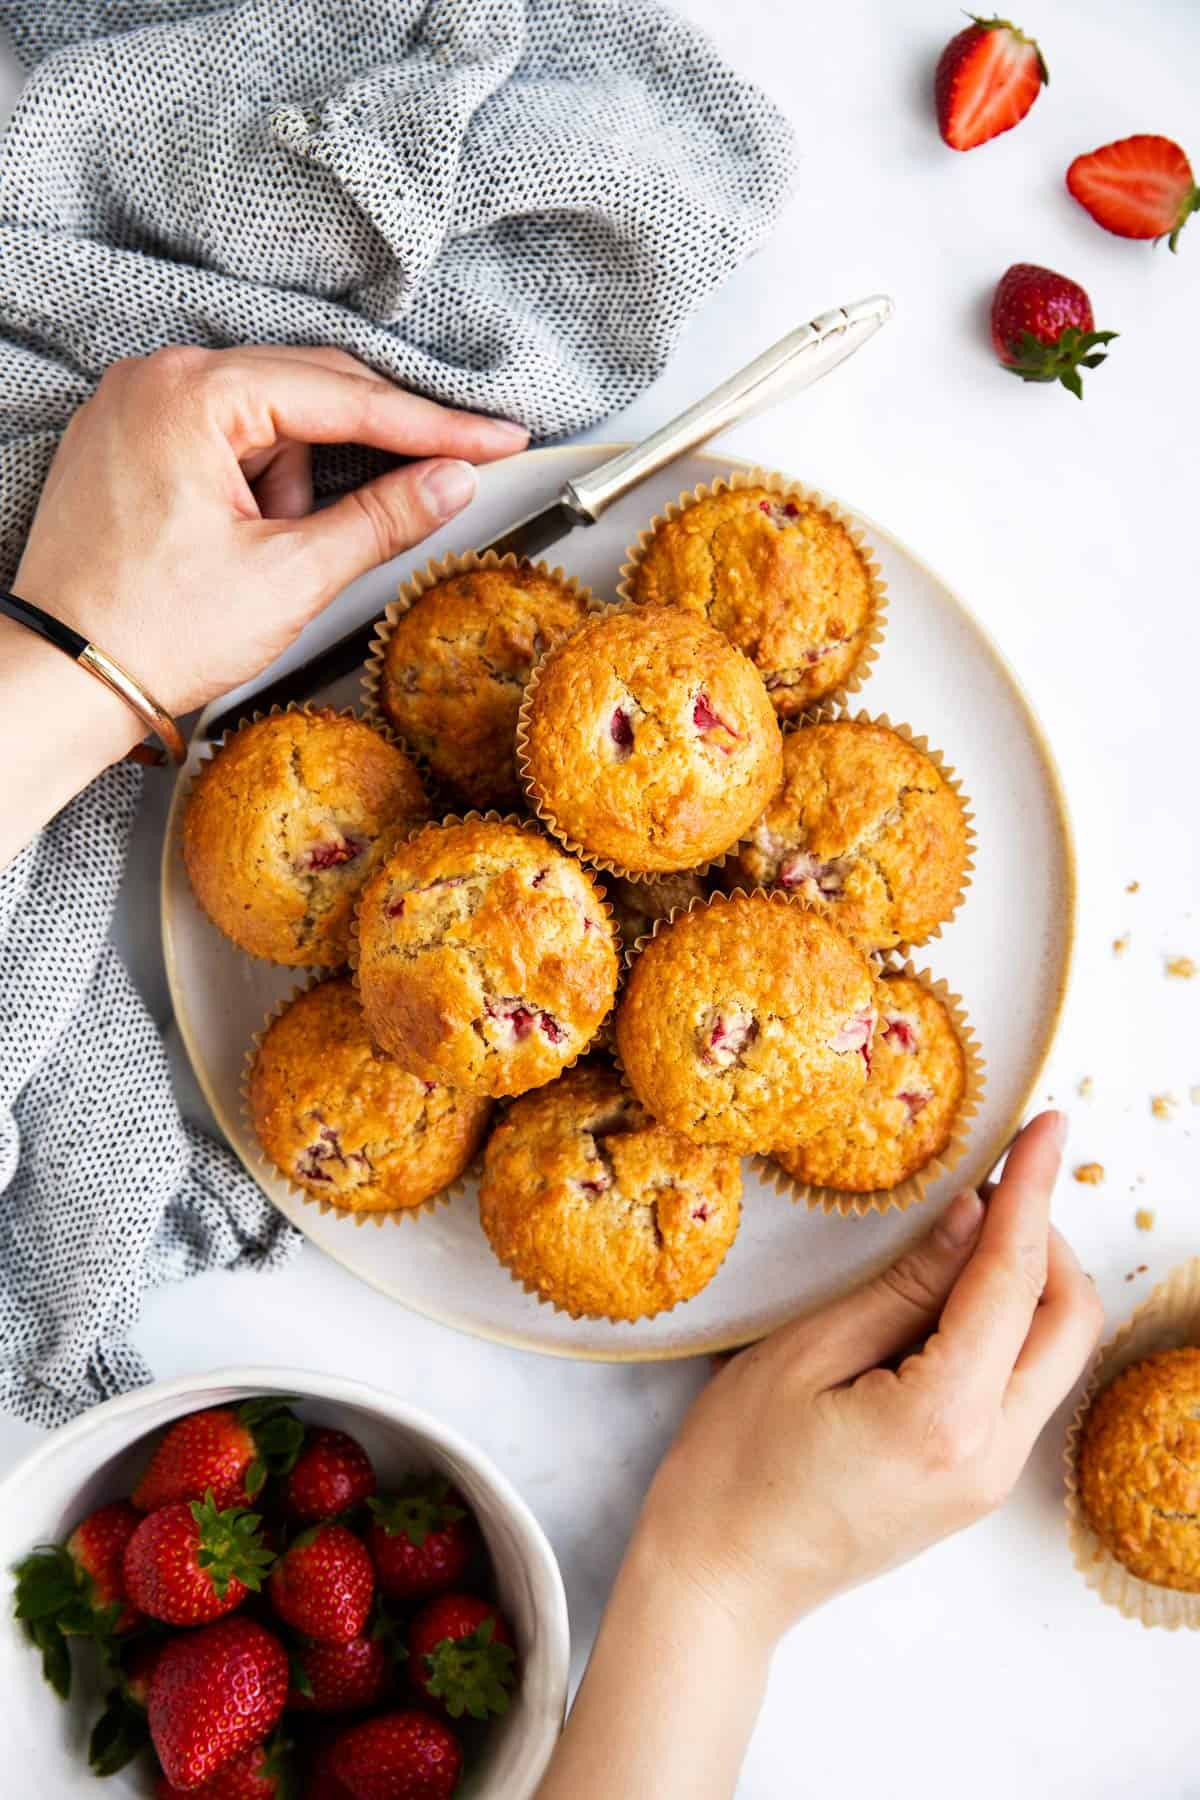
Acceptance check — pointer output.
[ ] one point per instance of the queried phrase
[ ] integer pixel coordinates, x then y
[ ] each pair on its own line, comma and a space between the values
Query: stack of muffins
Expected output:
669, 789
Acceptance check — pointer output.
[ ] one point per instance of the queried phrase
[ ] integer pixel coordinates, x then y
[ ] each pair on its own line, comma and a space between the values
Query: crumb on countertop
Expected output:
1183, 968
1131, 887
1144, 1219
1121, 944
1090, 1174
1163, 1105
1084, 1090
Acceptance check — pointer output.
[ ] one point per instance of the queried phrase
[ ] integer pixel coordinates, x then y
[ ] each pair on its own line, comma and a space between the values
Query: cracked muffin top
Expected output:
748, 1022
904, 1115
1139, 1468
867, 830
285, 823
650, 741
455, 666
598, 1209
343, 1121
782, 579
486, 957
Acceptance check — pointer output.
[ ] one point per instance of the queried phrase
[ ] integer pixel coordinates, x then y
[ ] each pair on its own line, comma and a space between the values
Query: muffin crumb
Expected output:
1182, 968
1084, 1090
1163, 1105
1120, 945
1143, 1218
1131, 887
1090, 1174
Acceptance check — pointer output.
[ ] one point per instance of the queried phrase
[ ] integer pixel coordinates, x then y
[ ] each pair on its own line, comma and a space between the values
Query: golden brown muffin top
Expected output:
905, 1114
650, 741
285, 823
455, 667
1139, 1468
782, 579
638, 905
486, 956
600, 1210
866, 829
343, 1121
747, 1022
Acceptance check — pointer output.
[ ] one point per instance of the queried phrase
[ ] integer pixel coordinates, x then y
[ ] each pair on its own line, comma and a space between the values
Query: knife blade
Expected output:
803, 356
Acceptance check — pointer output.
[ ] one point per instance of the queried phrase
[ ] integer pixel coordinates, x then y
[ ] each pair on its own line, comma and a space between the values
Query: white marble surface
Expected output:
1070, 529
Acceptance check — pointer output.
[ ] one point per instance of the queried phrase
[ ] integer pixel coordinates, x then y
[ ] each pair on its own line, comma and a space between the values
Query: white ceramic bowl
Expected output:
97, 1458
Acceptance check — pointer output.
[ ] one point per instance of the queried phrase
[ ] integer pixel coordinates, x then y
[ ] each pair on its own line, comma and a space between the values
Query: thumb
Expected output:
383, 518
901, 1304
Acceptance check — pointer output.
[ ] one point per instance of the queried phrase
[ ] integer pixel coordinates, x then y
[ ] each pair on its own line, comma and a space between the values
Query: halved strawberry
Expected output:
1137, 187
987, 79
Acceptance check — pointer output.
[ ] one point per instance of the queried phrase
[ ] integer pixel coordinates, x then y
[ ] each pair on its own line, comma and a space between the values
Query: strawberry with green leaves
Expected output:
1138, 187
215, 1693
421, 1538
261, 1773
323, 1584
1043, 329
78, 1589
396, 1756
188, 1564
461, 1655
332, 1475
122, 1731
228, 1451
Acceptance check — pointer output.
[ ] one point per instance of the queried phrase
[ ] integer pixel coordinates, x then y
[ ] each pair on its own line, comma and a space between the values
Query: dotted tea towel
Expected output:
510, 205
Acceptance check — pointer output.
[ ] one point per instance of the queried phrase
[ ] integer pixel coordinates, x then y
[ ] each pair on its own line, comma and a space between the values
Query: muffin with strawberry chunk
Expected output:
343, 1121
748, 1022
779, 574
285, 823
909, 1107
599, 1210
454, 664
867, 829
648, 742
486, 957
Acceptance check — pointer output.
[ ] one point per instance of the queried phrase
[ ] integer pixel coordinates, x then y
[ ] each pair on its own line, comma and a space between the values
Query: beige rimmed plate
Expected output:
1007, 952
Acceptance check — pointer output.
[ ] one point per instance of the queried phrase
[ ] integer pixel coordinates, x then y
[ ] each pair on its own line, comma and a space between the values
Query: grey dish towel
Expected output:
510, 205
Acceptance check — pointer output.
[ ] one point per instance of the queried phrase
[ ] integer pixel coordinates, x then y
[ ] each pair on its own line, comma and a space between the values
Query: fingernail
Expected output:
448, 487
961, 1220
508, 428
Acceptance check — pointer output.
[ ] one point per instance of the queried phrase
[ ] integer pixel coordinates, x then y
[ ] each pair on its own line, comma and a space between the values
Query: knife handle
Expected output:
796, 361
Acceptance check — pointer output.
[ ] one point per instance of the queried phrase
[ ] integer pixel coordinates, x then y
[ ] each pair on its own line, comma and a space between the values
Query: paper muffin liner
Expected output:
828, 714
546, 817
395, 1215
441, 569
787, 489
256, 717
534, 829
1167, 1319
913, 1188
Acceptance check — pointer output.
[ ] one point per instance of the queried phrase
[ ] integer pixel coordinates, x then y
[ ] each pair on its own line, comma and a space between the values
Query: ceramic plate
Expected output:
938, 672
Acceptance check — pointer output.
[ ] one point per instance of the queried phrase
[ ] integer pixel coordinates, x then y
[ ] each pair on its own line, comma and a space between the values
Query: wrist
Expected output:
696, 1591
74, 720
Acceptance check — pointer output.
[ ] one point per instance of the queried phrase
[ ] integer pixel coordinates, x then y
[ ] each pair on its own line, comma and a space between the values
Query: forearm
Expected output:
59, 727
670, 1695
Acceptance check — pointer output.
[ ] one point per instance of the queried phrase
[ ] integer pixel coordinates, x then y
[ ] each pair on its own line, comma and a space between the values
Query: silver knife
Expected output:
795, 362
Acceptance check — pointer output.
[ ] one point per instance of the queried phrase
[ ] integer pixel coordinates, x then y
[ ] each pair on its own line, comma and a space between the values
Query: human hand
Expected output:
175, 530
809, 1465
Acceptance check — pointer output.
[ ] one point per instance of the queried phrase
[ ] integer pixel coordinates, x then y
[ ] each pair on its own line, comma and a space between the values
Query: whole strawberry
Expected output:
1043, 329
461, 1654
323, 1584
421, 1538
1139, 187
214, 1694
333, 1678
332, 1474
987, 79
226, 1451
122, 1731
397, 1756
190, 1564
77, 1589
260, 1773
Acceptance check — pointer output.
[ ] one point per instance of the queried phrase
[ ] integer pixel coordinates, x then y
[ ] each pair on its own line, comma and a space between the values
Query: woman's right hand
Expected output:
812, 1463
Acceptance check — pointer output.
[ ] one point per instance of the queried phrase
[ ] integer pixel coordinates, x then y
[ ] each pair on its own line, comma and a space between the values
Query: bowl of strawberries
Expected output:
275, 1583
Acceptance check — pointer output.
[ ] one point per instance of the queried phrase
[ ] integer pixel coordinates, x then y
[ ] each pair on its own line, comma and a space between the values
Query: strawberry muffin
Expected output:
343, 1121
865, 828
486, 957
598, 1209
906, 1111
782, 578
454, 667
638, 905
285, 823
748, 1022
649, 741
1139, 1468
